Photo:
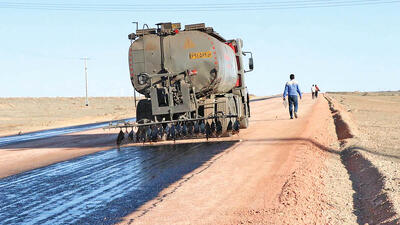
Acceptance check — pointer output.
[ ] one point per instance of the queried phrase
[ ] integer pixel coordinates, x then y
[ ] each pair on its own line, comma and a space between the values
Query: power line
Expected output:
239, 6
174, 5
180, 4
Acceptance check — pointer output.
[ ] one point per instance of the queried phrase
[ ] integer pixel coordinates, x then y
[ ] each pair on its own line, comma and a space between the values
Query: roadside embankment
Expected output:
367, 128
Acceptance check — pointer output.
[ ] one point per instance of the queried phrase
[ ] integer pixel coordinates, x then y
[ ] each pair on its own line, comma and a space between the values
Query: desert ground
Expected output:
338, 163
375, 121
32, 114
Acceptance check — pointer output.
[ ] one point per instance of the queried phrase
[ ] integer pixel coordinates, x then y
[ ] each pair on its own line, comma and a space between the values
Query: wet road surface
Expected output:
99, 188
7, 140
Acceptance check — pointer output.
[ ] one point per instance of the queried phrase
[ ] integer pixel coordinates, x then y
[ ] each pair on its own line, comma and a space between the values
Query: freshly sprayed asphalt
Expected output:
7, 140
99, 188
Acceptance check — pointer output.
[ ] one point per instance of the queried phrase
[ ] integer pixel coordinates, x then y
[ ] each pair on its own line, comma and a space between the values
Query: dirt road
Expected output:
275, 173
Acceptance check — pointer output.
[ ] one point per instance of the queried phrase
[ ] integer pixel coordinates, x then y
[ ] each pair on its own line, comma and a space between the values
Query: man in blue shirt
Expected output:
291, 90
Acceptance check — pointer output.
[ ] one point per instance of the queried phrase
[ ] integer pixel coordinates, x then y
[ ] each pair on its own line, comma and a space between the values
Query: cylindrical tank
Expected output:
214, 61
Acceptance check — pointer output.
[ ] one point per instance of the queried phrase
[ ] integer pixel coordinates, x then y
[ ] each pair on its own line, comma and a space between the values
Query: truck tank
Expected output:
193, 82
211, 61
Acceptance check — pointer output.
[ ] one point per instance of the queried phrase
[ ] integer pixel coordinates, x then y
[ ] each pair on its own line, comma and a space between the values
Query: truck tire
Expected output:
244, 122
227, 107
143, 111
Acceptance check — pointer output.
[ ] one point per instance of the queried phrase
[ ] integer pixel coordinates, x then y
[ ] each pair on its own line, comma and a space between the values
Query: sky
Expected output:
351, 48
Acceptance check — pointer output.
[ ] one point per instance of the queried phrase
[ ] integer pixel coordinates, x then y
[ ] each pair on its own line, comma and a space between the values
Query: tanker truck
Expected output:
192, 82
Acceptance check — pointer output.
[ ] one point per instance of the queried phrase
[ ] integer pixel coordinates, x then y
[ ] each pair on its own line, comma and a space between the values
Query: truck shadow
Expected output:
322, 147
72, 142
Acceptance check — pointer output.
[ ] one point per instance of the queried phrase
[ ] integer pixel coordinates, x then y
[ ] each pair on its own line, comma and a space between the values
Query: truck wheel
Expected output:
244, 122
143, 111
228, 108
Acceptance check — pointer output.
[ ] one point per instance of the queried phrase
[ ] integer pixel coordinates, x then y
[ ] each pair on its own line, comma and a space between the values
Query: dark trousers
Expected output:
292, 102
316, 94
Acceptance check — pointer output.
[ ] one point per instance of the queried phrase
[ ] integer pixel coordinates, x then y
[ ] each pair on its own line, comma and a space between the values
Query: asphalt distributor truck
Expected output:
192, 81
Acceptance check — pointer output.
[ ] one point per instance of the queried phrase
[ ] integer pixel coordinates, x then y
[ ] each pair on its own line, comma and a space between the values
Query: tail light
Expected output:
192, 72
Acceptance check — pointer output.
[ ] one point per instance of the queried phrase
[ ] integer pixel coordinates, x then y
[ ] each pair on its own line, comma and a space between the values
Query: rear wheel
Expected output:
244, 122
227, 107
143, 111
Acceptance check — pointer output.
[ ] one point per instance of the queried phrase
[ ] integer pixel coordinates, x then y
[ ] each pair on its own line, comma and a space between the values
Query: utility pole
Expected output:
85, 59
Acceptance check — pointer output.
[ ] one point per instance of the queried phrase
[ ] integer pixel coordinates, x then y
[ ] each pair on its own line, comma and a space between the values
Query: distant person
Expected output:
313, 91
316, 90
291, 90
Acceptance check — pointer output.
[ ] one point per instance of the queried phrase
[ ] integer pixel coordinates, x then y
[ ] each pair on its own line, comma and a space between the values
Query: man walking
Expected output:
313, 91
316, 90
291, 90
